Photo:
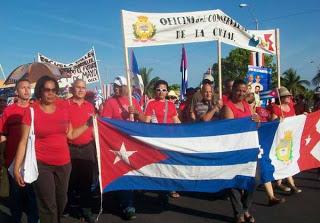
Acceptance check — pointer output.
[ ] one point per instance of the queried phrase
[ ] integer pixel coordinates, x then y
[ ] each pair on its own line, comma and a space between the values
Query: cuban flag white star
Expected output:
308, 140
316, 149
122, 154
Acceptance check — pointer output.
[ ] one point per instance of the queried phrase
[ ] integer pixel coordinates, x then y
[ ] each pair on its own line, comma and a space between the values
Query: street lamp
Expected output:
255, 19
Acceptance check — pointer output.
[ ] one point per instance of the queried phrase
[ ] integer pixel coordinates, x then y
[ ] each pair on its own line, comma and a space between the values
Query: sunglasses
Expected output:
172, 97
161, 89
47, 90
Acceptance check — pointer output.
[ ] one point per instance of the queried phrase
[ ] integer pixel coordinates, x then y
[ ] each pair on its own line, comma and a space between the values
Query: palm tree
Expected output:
316, 79
293, 82
148, 84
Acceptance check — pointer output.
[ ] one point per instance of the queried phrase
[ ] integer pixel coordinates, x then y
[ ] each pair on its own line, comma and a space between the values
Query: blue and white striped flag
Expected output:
205, 157
184, 74
137, 82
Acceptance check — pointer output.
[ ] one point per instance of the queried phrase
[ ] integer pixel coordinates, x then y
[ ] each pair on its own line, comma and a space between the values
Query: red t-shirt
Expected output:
277, 111
157, 107
11, 121
117, 108
79, 116
51, 134
225, 98
237, 113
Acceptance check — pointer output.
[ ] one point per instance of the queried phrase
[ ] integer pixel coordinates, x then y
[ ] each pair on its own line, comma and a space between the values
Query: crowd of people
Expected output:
65, 147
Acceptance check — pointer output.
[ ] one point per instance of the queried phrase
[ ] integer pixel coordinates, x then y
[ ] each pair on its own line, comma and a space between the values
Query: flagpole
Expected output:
278, 56
280, 104
4, 76
96, 138
219, 68
127, 70
95, 58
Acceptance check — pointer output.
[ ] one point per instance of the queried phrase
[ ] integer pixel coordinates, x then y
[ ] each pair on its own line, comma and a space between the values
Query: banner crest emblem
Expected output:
284, 148
143, 29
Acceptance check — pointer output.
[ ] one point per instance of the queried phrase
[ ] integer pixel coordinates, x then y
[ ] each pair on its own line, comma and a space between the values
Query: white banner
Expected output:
84, 68
151, 29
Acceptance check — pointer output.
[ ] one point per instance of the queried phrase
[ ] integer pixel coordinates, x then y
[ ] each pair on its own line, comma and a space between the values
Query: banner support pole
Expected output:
96, 138
219, 68
278, 57
4, 76
127, 69
95, 58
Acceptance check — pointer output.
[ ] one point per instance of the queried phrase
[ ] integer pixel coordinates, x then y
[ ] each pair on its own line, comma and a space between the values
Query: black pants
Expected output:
81, 178
22, 198
241, 201
51, 191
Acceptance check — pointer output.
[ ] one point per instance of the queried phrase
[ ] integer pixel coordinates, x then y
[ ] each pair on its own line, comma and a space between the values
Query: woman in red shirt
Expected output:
160, 110
238, 107
52, 129
279, 111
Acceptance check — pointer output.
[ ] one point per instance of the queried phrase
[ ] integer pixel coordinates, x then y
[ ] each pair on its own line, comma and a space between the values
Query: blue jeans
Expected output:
22, 199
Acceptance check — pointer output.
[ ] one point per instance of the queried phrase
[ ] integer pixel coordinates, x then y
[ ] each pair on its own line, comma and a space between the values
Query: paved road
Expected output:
202, 207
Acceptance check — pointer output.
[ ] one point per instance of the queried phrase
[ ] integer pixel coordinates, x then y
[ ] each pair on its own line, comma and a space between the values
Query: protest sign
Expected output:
84, 68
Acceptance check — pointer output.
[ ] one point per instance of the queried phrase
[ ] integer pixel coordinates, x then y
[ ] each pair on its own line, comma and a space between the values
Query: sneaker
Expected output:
275, 201
283, 188
296, 190
129, 213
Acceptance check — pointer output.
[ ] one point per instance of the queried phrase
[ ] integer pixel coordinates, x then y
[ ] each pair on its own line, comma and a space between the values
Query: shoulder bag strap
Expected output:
32, 121
120, 105
165, 112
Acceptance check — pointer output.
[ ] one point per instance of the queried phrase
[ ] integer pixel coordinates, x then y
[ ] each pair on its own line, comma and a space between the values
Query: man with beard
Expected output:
11, 120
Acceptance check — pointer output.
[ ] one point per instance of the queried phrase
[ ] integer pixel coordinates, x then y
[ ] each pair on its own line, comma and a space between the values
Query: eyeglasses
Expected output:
161, 89
172, 97
47, 90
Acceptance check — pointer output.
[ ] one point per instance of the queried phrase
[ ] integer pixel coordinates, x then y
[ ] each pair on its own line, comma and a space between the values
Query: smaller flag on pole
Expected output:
184, 73
256, 59
137, 82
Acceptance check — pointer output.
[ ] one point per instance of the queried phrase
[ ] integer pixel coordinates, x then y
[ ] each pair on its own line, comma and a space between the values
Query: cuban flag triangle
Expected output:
205, 157
289, 146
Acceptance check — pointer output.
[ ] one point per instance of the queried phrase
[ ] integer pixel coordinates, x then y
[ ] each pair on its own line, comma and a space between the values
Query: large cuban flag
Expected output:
289, 146
205, 157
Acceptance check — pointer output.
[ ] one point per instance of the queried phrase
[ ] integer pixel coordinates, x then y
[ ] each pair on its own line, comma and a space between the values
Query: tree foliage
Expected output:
235, 65
293, 82
316, 79
174, 87
147, 81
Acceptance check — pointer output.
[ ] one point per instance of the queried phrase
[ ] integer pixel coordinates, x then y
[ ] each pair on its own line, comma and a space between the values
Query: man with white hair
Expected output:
82, 151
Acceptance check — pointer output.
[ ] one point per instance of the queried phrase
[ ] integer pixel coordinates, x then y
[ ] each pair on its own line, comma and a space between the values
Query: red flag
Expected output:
121, 153
310, 143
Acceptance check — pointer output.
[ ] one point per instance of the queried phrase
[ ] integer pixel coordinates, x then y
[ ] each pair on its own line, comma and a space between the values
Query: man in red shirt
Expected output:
82, 151
118, 107
20, 197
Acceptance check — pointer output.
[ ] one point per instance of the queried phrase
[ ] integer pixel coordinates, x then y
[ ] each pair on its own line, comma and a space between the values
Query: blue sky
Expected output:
65, 30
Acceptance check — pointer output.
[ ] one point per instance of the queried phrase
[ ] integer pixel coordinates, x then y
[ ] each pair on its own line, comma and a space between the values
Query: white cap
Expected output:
120, 81
208, 77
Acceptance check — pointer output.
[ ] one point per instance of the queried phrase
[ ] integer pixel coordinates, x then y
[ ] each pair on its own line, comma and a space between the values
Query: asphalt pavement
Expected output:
194, 207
